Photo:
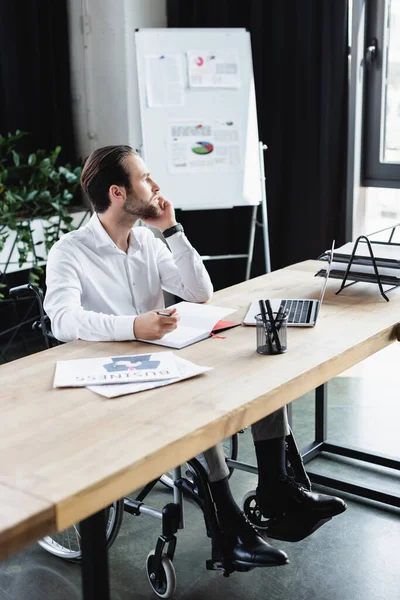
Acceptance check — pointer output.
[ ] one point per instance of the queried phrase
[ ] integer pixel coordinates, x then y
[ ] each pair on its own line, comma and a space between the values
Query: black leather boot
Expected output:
244, 547
287, 496
293, 511
294, 462
239, 542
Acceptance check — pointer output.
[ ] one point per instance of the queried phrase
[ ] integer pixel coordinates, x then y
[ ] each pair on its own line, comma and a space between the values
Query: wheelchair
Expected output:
189, 480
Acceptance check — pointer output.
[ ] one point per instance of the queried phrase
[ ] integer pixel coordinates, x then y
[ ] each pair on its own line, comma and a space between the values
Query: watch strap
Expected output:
171, 230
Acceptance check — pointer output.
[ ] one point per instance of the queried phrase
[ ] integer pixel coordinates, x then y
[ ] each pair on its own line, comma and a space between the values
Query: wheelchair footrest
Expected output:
214, 565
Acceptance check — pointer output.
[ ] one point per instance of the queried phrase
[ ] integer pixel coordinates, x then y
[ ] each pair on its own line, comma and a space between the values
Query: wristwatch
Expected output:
171, 230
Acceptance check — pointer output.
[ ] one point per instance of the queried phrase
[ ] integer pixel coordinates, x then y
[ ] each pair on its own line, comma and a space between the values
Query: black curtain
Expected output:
300, 66
35, 94
35, 97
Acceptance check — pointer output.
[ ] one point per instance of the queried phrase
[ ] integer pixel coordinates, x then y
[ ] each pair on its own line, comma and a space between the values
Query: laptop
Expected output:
302, 312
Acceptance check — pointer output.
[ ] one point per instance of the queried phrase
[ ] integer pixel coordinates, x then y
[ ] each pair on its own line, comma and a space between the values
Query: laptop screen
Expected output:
328, 270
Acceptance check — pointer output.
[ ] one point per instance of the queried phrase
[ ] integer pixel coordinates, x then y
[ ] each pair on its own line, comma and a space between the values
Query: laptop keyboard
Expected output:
298, 310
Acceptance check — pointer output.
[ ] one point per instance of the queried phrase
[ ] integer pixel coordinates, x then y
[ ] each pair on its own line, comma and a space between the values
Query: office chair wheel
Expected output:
67, 543
165, 584
252, 511
230, 446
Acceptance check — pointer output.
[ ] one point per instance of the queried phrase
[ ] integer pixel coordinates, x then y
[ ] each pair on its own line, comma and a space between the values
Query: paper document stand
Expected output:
375, 277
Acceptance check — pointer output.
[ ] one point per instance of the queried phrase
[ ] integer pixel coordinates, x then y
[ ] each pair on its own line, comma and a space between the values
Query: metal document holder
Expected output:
377, 278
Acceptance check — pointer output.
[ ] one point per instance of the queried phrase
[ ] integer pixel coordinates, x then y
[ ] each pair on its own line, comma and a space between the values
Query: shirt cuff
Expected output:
178, 242
123, 328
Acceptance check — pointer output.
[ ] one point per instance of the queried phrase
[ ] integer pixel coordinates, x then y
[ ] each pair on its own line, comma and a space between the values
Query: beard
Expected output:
139, 208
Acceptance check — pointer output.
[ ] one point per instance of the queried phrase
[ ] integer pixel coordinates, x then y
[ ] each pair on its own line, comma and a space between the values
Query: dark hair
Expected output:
103, 168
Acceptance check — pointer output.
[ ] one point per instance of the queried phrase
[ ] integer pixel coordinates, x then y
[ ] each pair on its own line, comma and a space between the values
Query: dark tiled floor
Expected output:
355, 556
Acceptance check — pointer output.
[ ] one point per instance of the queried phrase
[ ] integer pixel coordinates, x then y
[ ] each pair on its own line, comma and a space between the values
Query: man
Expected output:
105, 281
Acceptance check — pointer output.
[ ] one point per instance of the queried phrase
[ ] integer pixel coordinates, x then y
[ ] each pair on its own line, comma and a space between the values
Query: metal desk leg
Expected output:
321, 413
289, 412
321, 444
321, 425
95, 581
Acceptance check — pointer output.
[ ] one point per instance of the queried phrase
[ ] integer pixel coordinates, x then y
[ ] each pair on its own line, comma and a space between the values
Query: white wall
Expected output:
103, 71
355, 191
103, 68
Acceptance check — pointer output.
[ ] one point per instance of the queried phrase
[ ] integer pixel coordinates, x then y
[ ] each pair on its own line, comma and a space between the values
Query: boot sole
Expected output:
242, 566
289, 531
303, 512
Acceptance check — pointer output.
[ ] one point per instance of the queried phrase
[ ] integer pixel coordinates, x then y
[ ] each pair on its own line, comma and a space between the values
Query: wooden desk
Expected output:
23, 519
79, 451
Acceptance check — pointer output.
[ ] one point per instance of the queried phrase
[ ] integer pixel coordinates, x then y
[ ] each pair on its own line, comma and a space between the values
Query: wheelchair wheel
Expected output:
230, 446
252, 511
165, 585
67, 543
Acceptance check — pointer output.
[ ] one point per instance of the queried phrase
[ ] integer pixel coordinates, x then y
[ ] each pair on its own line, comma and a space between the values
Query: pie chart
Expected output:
202, 148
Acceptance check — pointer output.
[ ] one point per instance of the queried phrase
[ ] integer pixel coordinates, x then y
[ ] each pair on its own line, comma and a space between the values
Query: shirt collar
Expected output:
102, 238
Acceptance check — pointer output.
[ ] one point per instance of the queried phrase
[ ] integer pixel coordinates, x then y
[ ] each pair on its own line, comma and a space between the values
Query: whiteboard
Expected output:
199, 127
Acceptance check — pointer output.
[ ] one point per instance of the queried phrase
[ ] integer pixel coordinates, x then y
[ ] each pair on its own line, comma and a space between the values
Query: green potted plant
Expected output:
33, 187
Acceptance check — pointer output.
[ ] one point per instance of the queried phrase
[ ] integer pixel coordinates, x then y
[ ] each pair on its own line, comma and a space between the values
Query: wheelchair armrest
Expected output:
27, 289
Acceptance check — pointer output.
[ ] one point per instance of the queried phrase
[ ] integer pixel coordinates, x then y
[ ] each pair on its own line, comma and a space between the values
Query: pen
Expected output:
273, 327
163, 313
279, 316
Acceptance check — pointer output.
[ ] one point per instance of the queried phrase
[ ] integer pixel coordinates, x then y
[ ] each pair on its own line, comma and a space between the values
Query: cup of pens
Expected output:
271, 330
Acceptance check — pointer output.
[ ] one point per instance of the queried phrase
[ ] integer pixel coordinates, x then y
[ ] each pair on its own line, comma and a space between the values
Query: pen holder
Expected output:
268, 341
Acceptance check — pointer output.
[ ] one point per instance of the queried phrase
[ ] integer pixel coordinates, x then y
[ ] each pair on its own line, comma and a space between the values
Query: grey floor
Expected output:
355, 556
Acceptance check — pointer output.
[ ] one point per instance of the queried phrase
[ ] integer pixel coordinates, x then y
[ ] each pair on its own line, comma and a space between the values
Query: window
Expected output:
381, 147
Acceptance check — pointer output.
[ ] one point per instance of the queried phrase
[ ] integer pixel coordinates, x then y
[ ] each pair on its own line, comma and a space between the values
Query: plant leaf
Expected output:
32, 160
16, 158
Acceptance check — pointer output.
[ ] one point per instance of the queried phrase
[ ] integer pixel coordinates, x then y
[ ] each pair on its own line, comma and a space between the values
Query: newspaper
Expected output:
186, 369
108, 370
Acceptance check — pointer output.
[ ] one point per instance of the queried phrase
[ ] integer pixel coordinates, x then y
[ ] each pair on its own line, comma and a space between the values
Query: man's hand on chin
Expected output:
166, 218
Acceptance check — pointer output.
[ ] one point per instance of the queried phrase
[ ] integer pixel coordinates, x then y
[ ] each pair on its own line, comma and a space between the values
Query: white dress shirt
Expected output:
94, 289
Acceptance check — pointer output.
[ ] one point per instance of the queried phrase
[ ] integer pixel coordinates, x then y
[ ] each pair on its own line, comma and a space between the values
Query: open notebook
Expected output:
196, 323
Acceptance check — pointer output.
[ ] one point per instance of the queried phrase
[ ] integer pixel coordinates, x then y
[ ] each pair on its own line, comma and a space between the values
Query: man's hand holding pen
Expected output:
154, 324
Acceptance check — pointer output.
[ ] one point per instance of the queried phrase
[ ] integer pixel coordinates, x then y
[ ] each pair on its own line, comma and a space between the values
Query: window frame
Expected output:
375, 173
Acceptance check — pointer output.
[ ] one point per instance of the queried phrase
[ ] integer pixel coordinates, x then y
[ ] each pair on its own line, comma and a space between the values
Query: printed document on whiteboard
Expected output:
164, 80
203, 147
213, 69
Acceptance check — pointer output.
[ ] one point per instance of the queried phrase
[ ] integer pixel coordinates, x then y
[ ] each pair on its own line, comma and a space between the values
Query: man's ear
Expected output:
117, 193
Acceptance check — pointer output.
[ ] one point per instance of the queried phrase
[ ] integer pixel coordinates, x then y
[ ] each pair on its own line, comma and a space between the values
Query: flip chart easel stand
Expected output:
253, 224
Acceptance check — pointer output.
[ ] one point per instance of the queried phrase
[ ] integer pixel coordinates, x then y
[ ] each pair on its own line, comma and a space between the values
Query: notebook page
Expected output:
200, 316
182, 335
